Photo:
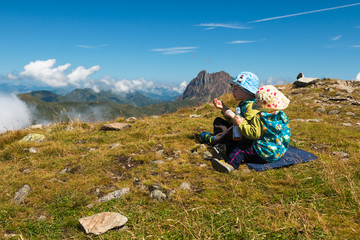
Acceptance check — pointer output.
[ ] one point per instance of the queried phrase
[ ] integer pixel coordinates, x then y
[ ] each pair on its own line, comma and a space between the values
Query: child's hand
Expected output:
218, 104
238, 120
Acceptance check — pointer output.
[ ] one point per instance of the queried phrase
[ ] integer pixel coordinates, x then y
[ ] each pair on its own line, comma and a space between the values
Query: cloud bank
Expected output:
46, 72
14, 113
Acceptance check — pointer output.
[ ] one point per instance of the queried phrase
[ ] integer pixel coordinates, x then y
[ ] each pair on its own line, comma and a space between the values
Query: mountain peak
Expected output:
207, 86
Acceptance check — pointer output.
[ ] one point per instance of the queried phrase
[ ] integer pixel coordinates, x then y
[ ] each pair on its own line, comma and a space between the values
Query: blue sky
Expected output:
139, 44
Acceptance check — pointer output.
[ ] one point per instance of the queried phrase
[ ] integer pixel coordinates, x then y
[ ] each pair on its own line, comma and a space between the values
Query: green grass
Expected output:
315, 200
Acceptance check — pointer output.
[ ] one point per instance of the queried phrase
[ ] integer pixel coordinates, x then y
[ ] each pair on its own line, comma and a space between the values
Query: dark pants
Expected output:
237, 151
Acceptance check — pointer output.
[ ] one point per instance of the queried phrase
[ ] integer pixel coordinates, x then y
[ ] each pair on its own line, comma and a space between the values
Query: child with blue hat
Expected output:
250, 124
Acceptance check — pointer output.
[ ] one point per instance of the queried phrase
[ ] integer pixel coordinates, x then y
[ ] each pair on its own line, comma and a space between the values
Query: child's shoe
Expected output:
219, 151
221, 166
207, 137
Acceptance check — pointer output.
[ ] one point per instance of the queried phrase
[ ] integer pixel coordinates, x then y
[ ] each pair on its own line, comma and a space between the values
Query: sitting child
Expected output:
264, 128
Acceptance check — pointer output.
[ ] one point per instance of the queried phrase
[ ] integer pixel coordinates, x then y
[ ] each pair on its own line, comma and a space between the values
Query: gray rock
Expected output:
33, 137
38, 126
155, 117
22, 194
65, 170
91, 149
350, 114
115, 126
160, 153
131, 119
313, 120
195, 116
303, 81
114, 195
102, 222
42, 218
115, 145
346, 124
158, 162
157, 195
321, 110
207, 155
333, 112
341, 154
33, 150
203, 165
185, 186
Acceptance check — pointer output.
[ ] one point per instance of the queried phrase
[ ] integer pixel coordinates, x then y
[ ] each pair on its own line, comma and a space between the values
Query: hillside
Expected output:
77, 165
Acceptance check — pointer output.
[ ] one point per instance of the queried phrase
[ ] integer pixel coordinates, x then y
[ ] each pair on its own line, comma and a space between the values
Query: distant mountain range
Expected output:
87, 104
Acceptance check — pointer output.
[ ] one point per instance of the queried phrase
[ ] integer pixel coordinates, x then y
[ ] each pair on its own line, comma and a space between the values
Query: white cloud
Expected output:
174, 50
92, 46
45, 72
81, 73
220, 25
358, 77
356, 46
303, 13
14, 113
11, 76
240, 42
336, 38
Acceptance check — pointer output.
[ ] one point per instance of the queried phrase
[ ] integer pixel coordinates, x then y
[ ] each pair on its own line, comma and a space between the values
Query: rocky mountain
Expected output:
206, 86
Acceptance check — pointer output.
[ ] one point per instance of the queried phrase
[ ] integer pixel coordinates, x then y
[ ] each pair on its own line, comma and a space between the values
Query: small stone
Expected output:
185, 186
33, 150
156, 186
114, 195
115, 145
341, 154
346, 124
207, 155
131, 119
22, 194
115, 126
350, 114
42, 218
321, 110
155, 117
203, 165
195, 116
333, 112
33, 137
102, 222
158, 162
92, 149
38, 126
313, 120
160, 153
65, 170
158, 195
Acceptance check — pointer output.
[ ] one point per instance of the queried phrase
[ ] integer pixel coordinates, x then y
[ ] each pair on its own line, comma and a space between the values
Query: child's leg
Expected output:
222, 131
243, 153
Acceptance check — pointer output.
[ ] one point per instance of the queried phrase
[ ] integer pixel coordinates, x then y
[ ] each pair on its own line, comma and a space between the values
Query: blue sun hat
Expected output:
248, 81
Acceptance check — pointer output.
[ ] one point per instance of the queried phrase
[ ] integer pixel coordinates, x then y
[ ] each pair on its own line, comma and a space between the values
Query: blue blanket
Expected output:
292, 156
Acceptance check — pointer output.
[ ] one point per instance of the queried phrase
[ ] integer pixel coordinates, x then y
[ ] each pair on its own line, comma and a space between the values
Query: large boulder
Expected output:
302, 81
102, 222
33, 137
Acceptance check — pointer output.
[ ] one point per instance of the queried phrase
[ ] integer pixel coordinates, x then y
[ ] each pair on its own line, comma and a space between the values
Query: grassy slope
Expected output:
316, 200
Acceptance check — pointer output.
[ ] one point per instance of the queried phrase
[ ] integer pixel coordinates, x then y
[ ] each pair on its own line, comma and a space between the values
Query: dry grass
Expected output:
316, 200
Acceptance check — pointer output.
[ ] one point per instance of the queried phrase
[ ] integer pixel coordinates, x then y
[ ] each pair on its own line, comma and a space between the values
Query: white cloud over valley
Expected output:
14, 113
46, 72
